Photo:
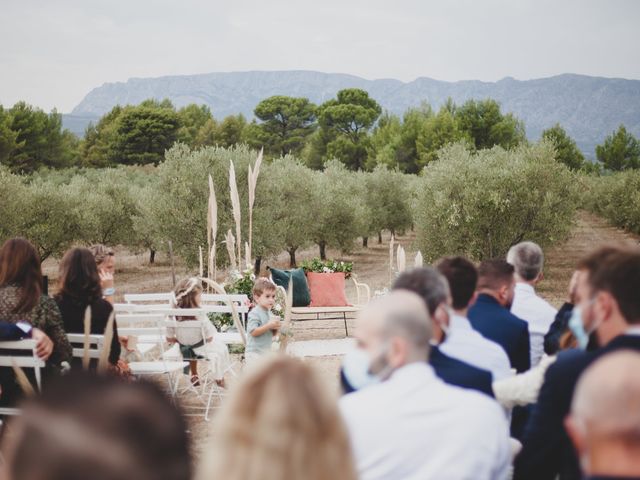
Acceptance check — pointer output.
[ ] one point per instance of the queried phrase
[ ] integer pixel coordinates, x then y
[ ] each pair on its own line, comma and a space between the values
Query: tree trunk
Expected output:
323, 250
365, 242
393, 232
292, 258
380, 237
152, 255
257, 266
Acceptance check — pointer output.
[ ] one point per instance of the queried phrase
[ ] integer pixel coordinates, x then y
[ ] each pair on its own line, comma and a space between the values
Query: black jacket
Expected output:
547, 450
498, 324
72, 312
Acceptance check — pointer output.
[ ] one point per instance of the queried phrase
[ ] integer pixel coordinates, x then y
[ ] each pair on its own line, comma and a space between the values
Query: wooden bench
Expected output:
363, 295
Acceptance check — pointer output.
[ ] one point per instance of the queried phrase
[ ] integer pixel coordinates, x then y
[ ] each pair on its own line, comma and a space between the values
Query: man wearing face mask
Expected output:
607, 306
412, 425
604, 423
433, 288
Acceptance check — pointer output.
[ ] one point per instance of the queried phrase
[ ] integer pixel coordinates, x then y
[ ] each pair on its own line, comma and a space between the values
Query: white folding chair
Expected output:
15, 352
142, 326
77, 345
208, 385
162, 366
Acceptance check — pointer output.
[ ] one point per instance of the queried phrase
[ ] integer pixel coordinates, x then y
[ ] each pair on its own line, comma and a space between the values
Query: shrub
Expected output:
617, 198
479, 204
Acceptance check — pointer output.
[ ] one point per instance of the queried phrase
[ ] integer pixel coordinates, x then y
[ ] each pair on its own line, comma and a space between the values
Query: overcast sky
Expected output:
54, 52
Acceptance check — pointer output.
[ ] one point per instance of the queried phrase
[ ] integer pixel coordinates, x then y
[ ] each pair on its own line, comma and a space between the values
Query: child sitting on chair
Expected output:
198, 342
260, 327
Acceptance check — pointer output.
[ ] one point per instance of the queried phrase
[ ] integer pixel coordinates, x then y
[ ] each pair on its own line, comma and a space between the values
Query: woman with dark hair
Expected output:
80, 288
21, 300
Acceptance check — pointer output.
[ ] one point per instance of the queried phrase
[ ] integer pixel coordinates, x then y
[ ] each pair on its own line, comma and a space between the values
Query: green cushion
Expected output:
301, 295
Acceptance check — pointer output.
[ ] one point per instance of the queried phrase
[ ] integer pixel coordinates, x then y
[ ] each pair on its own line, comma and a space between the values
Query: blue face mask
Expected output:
577, 328
356, 369
576, 325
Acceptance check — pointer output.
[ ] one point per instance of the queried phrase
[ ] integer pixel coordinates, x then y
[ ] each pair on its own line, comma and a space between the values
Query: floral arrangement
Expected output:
327, 266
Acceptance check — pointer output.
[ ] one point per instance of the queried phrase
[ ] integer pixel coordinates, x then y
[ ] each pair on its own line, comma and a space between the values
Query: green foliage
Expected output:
479, 204
483, 122
437, 132
286, 124
567, 151
193, 119
348, 119
389, 199
182, 194
8, 137
285, 202
327, 266
617, 198
620, 151
231, 131
48, 218
105, 205
143, 133
340, 217
31, 139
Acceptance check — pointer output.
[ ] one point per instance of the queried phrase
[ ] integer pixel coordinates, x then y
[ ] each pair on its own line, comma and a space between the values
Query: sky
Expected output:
55, 52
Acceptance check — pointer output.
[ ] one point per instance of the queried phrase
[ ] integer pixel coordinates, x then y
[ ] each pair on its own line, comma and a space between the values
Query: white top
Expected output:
468, 345
415, 427
538, 313
191, 332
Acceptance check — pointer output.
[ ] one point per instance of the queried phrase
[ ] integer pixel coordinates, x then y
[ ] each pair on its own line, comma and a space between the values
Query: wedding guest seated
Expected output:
411, 424
490, 313
433, 288
80, 288
527, 259
604, 423
463, 342
106, 262
560, 325
607, 309
21, 300
97, 427
279, 423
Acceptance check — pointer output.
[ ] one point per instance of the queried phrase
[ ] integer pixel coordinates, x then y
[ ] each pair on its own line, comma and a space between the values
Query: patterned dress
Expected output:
45, 316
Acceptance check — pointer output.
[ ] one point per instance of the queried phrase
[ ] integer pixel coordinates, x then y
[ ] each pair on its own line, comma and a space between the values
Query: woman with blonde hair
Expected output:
279, 423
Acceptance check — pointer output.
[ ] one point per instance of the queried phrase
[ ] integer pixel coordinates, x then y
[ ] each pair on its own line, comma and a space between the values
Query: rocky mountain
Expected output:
589, 108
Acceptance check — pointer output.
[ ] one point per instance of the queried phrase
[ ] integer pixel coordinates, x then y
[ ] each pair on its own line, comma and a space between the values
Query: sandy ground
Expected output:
134, 274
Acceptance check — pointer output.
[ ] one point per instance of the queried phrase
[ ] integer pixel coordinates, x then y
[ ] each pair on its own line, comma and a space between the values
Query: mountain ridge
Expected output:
588, 107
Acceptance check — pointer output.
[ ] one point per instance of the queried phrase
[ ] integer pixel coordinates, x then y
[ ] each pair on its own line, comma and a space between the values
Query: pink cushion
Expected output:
327, 289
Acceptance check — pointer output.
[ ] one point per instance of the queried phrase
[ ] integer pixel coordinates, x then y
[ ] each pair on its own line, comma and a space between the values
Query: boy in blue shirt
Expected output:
260, 327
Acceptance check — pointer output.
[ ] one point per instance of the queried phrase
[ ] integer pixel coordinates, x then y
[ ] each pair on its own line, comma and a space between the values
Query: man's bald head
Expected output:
399, 314
607, 398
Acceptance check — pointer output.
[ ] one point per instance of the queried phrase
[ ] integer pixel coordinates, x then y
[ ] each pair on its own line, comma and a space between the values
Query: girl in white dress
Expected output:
198, 339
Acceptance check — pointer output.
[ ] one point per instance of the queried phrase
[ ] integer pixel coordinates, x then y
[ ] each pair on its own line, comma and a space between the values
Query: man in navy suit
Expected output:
608, 307
490, 314
433, 288
605, 417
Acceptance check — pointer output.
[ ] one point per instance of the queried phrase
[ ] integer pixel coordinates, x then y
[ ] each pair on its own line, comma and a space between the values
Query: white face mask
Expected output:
356, 367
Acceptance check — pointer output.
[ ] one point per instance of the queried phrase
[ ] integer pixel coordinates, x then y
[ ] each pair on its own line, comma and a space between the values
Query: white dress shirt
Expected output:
538, 313
468, 345
415, 427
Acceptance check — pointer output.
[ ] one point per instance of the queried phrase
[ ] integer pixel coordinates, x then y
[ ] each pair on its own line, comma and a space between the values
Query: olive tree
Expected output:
479, 204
